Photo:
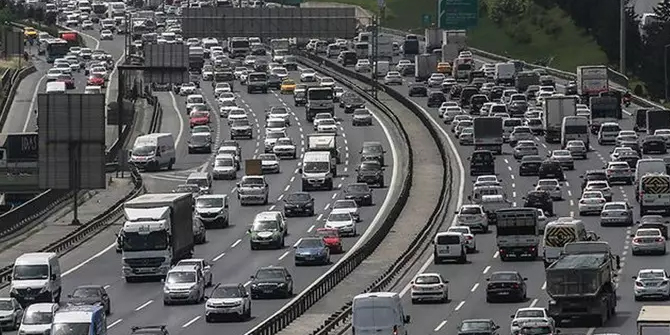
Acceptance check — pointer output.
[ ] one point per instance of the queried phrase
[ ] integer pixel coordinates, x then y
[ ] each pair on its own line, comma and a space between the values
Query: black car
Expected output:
466, 93
90, 295
290, 63
200, 143
476, 103
359, 192
654, 144
482, 162
478, 327
455, 92
149, 330
436, 98
629, 157
530, 165
274, 81
496, 93
571, 88
353, 103
298, 203
551, 169
271, 281
258, 50
417, 90
506, 285
300, 99
654, 222
592, 175
349, 58
517, 108
541, 200
371, 173
372, 151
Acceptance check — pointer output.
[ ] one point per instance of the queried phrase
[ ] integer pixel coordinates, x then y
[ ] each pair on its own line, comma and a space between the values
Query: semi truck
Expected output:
488, 133
410, 46
433, 39
592, 80
604, 109
517, 234
157, 233
424, 66
555, 109
657, 119
581, 283
653, 320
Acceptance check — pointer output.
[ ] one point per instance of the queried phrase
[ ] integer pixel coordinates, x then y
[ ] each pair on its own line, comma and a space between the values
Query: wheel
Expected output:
488, 299
166, 303
436, 260
208, 318
247, 314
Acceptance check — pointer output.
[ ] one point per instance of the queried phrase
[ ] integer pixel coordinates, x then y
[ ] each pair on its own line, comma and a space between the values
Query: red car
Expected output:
96, 80
68, 80
332, 239
198, 118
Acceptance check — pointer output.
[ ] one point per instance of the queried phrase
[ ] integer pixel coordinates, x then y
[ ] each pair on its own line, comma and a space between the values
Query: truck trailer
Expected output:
653, 320
555, 109
488, 134
657, 119
424, 66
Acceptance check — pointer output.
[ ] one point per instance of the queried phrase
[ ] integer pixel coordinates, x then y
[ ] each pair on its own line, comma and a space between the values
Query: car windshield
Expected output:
598, 186
427, 280
470, 210
358, 188
504, 277
651, 275
227, 292
37, 318
284, 141
310, 243
372, 149
86, 292
592, 195
338, 217
270, 274
652, 219
252, 182
267, 157
470, 326
369, 166
30, 272
209, 203
298, 197
367, 317
265, 225
561, 153
327, 233
361, 112
200, 139
70, 328
344, 204
547, 183
6, 305
240, 123
530, 314
201, 129
536, 330
180, 277
224, 162
648, 232
462, 230
276, 135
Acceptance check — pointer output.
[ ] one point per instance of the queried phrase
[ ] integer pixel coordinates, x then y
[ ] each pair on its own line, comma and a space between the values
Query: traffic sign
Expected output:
426, 20
457, 14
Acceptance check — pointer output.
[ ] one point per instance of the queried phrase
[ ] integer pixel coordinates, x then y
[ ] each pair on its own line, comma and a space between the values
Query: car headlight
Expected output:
166, 289
282, 285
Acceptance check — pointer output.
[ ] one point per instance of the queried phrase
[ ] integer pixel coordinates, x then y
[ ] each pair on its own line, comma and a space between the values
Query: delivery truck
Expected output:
433, 39
555, 109
424, 66
657, 119
488, 133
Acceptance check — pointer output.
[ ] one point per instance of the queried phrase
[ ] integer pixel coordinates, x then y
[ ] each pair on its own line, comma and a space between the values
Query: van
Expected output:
37, 318
80, 320
93, 90
56, 87
382, 67
449, 246
213, 210
153, 152
203, 180
654, 193
608, 132
648, 165
560, 232
378, 313
362, 50
183, 279
317, 170
482, 162
36, 277
640, 120
268, 229
575, 128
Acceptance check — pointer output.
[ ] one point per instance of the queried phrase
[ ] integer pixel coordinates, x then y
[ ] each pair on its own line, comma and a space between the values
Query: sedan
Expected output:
307, 75
577, 149
435, 79
600, 186
527, 315
227, 99
651, 283
361, 117
271, 281
284, 147
312, 250
552, 186
478, 327
616, 213
654, 144
393, 78
648, 240
269, 163
470, 241
347, 206
619, 172
530, 165
654, 221
429, 287
614, 155
106, 35
363, 65
359, 192
11, 313
591, 202
90, 295
417, 90
665, 133
564, 157
467, 136
343, 222
506, 285
332, 239
327, 126
525, 148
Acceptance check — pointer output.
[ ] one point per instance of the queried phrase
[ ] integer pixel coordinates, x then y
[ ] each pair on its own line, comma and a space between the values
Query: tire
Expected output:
247, 314
436, 260
208, 318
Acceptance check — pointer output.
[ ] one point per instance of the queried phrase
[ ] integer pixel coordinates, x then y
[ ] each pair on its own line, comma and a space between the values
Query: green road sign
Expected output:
457, 14
426, 20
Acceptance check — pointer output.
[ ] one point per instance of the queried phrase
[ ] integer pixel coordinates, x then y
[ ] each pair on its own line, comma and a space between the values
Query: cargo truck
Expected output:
653, 320
433, 39
604, 109
657, 119
157, 233
410, 46
455, 37
488, 133
196, 58
555, 109
324, 142
384, 47
592, 80
581, 283
517, 234
424, 66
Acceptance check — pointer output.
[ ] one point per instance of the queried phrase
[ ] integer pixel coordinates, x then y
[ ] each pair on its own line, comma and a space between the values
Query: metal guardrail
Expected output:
10, 82
324, 284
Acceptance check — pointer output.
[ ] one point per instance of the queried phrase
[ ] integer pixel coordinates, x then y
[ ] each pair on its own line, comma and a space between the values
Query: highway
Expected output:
467, 285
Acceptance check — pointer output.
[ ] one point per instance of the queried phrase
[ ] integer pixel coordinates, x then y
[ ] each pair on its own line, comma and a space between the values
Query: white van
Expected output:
203, 180
378, 313
93, 90
608, 132
362, 50
449, 245
317, 171
36, 277
153, 152
575, 128
382, 67
213, 210
56, 87
648, 165
560, 232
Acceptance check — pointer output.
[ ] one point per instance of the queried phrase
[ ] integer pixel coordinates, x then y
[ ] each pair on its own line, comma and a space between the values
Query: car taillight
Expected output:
395, 330
515, 285
469, 237
660, 239
639, 284
637, 240
601, 201
582, 201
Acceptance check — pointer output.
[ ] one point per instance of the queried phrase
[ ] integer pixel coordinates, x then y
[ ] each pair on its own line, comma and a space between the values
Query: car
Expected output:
344, 222
285, 148
591, 202
393, 78
614, 155
665, 133
551, 186
520, 133
651, 283
187, 89
435, 79
541, 200
525, 148
429, 287
221, 88
198, 118
275, 125
487, 180
654, 144
227, 99
592, 175
466, 136
478, 327
648, 240
12, 313
616, 213
541, 220
269, 163
271, 281
201, 264
106, 35
370, 172
417, 90
228, 300
347, 206
311, 250
474, 217
363, 65
601, 186
87, 25
237, 114
307, 75
271, 139
470, 240
90, 295
527, 315
654, 221
328, 126
298, 203
619, 172
200, 143
331, 237
280, 113
287, 86
359, 192
361, 117
201, 129
37, 318
530, 165
199, 231
577, 149
564, 157
506, 285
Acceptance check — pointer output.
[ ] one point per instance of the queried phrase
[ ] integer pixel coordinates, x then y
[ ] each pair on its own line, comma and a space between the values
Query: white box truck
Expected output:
555, 109
424, 66
653, 320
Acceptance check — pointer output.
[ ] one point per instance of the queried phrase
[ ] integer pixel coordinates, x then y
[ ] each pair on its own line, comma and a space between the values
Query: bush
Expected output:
551, 27
502, 9
521, 35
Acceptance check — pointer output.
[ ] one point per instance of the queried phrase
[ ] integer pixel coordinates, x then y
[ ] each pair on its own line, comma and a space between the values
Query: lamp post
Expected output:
665, 70
622, 37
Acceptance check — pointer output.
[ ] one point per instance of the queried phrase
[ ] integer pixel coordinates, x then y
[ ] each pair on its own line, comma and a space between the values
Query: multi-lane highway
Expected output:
467, 285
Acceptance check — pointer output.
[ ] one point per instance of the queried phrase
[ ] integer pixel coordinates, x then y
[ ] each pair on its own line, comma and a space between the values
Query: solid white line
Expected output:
78, 266
179, 117
590, 331
192, 321
218, 257
144, 305
236, 243
474, 287
486, 269
459, 305
437, 329
114, 323
283, 255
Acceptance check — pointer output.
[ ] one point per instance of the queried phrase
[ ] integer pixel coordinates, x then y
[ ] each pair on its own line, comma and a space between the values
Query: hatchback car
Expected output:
478, 327
592, 202
474, 217
551, 186
648, 240
331, 237
429, 287
616, 213
90, 295
506, 285
600, 186
651, 283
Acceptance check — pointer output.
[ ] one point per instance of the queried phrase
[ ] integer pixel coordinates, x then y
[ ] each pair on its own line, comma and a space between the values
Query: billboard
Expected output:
21, 147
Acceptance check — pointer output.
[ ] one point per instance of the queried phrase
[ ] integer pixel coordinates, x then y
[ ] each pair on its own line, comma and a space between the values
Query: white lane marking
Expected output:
590, 331
271, 208
511, 176
32, 103
281, 196
532, 304
247, 283
192, 321
218, 257
544, 286
513, 194
334, 195
114, 323
327, 206
106, 286
486, 269
236, 243
310, 229
283, 255
474, 287
318, 218
497, 253
179, 117
569, 193
144, 305
297, 243
437, 329
286, 188
572, 202
100, 253
460, 304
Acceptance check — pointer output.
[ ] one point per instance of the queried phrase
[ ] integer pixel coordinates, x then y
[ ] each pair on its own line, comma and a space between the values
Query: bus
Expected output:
54, 48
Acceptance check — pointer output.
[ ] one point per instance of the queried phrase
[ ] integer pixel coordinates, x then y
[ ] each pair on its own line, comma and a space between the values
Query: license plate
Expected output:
267, 291
29, 298
503, 293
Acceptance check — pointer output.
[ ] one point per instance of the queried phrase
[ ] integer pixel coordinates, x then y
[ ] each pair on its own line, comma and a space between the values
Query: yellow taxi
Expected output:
287, 86
29, 32
443, 67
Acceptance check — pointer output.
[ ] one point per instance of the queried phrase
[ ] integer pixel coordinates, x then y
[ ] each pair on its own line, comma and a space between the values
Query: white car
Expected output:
188, 89
273, 125
320, 117
236, 114
307, 75
347, 206
601, 186
363, 65
541, 220
450, 112
429, 287
614, 156
470, 241
529, 314
665, 133
269, 163
271, 140
487, 180
327, 126
473, 216
435, 79
87, 25
54, 74
344, 222
226, 300
64, 66
651, 283
106, 35
280, 113
239, 71
327, 82
221, 88
284, 147
552, 186
393, 77
227, 99
225, 110
280, 72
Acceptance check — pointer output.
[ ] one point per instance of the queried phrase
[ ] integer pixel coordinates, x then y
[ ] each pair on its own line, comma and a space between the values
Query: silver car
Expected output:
651, 283
525, 148
228, 300
601, 186
347, 206
648, 240
591, 202
616, 213
184, 284
577, 149
203, 265
551, 186
344, 222
393, 77
11, 313
564, 157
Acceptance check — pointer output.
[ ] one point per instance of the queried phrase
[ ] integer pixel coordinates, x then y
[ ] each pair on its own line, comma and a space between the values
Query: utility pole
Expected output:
665, 71
375, 55
622, 37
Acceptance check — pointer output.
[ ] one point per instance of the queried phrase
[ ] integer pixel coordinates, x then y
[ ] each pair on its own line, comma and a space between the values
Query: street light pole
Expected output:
622, 37
665, 70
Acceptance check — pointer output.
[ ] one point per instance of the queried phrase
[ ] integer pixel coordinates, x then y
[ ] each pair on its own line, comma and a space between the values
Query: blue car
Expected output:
312, 250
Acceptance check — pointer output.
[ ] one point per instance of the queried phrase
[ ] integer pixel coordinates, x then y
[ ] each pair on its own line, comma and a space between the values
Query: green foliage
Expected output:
500, 10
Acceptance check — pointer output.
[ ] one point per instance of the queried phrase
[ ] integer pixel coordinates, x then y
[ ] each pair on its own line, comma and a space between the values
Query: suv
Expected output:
373, 151
473, 216
449, 245
228, 299
541, 200
530, 165
371, 173
482, 162
591, 175
268, 229
253, 190
257, 81
551, 169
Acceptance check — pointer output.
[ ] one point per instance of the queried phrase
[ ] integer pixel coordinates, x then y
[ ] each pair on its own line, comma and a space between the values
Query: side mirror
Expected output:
488, 279
238, 184
512, 316
206, 298
470, 197
252, 277
300, 170
407, 319
525, 278
632, 235
53, 277
497, 327
289, 276
634, 277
